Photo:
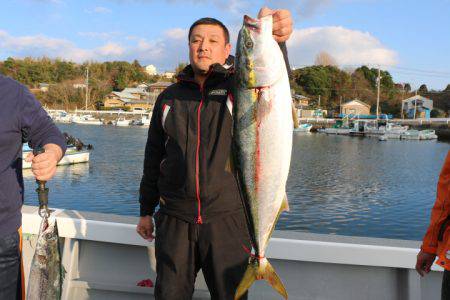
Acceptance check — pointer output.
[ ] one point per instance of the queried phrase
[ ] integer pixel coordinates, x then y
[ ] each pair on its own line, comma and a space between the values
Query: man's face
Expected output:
207, 46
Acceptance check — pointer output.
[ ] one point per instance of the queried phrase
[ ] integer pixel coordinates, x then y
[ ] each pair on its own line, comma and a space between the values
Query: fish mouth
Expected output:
252, 24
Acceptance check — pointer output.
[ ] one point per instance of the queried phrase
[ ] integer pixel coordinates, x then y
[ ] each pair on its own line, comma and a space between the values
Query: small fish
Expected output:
262, 141
45, 281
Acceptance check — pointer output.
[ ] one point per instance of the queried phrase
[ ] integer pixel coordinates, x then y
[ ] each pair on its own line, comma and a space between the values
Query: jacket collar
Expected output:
217, 73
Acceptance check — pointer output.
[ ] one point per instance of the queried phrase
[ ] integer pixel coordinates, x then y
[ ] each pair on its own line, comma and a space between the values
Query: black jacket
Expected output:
186, 165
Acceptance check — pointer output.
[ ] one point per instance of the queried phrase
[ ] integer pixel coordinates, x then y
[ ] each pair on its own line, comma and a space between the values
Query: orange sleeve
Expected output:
440, 209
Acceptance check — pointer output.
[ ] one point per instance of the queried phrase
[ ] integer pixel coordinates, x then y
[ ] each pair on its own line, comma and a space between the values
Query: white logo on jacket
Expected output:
217, 93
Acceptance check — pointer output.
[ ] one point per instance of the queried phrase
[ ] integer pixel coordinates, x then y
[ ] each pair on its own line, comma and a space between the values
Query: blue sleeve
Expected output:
37, 127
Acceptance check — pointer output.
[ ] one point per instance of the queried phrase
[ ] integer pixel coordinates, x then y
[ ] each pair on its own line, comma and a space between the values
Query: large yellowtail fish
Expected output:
262, 141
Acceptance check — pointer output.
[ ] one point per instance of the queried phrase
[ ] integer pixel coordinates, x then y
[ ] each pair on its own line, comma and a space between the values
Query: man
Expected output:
437, 239
200, 223
22, 119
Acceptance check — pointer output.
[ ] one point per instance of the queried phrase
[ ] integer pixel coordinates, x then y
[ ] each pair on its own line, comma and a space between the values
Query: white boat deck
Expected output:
105, 258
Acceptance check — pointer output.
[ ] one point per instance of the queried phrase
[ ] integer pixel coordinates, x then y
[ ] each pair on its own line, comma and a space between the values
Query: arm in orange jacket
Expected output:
439, 214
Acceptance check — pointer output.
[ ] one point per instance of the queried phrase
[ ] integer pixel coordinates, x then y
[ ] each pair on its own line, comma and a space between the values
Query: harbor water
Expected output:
337, 184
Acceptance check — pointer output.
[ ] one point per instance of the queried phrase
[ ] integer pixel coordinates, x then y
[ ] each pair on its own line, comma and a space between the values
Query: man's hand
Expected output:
424, 262
44, 164
282, 23
145, 228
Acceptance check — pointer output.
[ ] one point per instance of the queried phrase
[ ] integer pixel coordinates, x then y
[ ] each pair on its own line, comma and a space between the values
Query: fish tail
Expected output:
260, 268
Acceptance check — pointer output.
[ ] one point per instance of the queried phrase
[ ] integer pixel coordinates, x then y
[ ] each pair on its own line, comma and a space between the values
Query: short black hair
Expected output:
210, 21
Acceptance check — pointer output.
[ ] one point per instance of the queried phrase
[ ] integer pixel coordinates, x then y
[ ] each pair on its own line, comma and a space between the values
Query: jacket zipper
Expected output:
199, 219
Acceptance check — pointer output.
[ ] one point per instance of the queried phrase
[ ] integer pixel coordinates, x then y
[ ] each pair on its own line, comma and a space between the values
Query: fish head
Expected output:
48, 235
259, 61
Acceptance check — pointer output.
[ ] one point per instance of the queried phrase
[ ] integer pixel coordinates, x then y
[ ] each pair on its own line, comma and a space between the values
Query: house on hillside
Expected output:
417, 107
168, 75
43, 87
138, 92
300, 101
79, 85
355, 107
138, 97
156, 88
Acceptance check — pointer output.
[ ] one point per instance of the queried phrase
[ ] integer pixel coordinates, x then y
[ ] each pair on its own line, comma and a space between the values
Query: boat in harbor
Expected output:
389, 128
122, 122
412, 134
72, 156
362, 127
341, 127
104, 258
76, 152
428, 134
60, 116
303, 128
143, 121
86, 120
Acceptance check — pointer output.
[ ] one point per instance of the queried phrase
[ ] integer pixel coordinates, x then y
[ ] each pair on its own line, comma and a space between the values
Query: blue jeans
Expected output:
10, 274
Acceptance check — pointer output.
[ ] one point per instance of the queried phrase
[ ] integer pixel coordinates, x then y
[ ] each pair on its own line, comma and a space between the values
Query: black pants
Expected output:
446, 285
182, 249
10, 274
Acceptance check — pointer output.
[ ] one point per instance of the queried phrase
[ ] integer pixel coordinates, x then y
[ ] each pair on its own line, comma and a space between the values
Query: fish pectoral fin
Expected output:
264, 102
260, 269
294, 116
284, 204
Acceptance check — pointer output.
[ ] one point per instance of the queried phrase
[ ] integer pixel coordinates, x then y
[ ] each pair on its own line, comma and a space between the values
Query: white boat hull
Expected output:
88, 122
70, 158
105, 259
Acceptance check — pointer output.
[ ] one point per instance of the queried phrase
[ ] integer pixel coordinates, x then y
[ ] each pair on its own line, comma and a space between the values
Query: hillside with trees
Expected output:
324, 79
62, 75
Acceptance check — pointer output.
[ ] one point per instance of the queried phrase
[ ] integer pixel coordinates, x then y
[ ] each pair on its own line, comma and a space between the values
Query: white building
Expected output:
169, 75
151, 70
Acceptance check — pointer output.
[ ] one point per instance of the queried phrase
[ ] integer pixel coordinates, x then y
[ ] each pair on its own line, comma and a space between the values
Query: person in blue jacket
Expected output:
22, 119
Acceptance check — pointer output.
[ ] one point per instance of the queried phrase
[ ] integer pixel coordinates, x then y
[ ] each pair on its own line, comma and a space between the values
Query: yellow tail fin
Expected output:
260, 269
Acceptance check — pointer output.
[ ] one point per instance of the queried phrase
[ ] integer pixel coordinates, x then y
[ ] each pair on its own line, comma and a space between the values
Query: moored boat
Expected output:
86, 120
304, 128
122, 122
72, 156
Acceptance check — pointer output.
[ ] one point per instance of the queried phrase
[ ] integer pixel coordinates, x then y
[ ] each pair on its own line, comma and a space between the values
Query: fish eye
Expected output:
249, 44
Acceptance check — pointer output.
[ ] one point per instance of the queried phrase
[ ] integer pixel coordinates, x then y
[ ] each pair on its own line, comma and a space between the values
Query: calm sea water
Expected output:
337, 184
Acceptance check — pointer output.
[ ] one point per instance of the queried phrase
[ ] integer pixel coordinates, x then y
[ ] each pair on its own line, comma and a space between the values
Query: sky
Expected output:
411, 39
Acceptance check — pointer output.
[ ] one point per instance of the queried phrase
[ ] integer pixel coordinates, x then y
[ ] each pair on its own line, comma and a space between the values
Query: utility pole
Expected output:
87, 87
319, 101
378, 92
403, 98
340, 105
415, 106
